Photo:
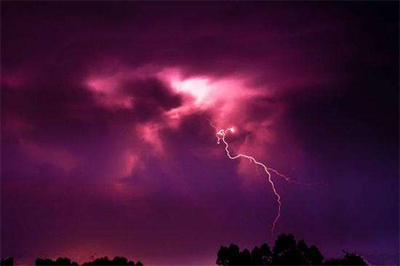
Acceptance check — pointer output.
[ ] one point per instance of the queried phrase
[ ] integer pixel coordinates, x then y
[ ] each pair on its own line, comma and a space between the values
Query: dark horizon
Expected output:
107, 147
286, 250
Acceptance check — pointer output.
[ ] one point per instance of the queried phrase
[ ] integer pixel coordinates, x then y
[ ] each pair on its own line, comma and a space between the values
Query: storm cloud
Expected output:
107, 147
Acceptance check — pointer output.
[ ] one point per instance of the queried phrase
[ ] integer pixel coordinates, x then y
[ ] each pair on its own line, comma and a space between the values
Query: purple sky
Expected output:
106, 146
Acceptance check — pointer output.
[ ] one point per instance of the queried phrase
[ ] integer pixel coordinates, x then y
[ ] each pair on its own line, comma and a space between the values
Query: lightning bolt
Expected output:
220, 134
221, 137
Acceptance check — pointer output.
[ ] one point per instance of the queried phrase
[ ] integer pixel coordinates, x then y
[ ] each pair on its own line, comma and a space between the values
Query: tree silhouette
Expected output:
244, 257
59, 262
311, 255
286, 251
228, 255
104, 261
7, 261
348, 259
261, 256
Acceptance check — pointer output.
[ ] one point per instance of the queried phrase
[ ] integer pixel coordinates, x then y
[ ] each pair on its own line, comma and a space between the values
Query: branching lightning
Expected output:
221, 134
221, 137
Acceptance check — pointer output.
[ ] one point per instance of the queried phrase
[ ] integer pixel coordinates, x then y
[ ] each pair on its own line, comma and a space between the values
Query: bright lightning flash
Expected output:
221, 134
221, 137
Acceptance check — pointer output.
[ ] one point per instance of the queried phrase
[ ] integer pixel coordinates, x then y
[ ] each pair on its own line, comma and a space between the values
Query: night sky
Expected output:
107, 148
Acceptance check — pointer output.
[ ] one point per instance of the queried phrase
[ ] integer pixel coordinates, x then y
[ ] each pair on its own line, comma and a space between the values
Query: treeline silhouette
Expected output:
104, 261
115, 261
286, 251
59, 261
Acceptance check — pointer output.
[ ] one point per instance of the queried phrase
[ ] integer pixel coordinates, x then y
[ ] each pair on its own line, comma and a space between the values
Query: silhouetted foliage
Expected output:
286, 251
104, 261
118, 261
311, 255
7, 261
261, 256
348, 259
59, 262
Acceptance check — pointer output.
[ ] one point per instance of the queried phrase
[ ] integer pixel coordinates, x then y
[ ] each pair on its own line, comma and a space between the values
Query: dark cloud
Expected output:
92, 127
153, 94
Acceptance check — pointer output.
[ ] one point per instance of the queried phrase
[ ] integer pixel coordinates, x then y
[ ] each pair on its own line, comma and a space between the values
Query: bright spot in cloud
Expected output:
199, 88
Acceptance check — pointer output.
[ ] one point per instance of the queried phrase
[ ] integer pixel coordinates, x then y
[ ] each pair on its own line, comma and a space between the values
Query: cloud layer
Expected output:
107, 147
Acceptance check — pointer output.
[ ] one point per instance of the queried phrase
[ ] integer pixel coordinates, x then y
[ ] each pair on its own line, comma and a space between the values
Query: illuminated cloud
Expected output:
105, 125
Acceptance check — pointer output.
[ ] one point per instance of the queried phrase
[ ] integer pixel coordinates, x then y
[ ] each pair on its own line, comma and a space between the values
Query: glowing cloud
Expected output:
107, 94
